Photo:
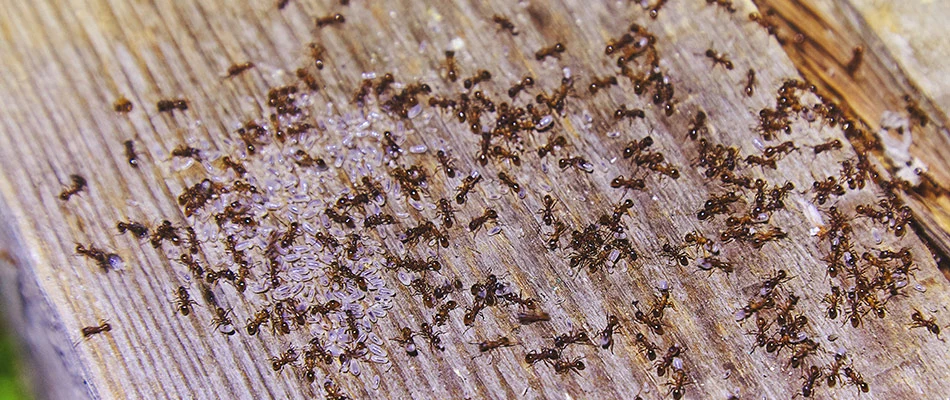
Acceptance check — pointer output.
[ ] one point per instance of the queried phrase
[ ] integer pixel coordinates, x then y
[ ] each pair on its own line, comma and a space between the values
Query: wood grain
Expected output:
67, 62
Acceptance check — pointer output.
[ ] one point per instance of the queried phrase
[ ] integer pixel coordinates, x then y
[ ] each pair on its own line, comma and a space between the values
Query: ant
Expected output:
678, 380
547, 212
103, 260
373, 221
598, 83
920, 322
172, 105
446, 213
832, 300
431, 336
623, 112
447, 163
78, 185
562, 341
309, 80
479, 77
646, 346
577, 162
236, 166
719, 58
554, 238
505, 24
254, 324
140, 231
237, 69
698, 126
405, 339
442, 313
451, 66
655, 9
508, 181
833, 144
287, 357
726, 4
316, 53
187, 151
183, 301
330, 20
520, 86
814, 374
534, 356
856, 379
556, 141
130, 153
467, 184
478, 222
501, 152
489, 345
607, 334
566, 366
95, 330
122, 105
675, 253
222, 320
667, 361
546, 52
627, 184
526, 318
750, 83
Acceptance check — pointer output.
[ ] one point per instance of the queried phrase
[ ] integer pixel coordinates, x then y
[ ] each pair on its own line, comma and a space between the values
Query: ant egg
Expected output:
494, 231
418, 149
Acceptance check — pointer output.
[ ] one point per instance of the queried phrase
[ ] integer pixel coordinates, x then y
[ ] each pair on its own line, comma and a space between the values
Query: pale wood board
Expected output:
66, 62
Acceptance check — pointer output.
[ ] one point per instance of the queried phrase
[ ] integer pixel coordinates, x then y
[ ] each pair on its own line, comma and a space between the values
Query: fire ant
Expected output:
237, 69
505, 24
183, 301
330, 20
467, 184
95, 330
577, 162
479, 77
140, 231
607, 334
172, 105
567, 366
556, 141
920, 322
623, 112
447, 163
122, 105
405, 339
520, 86
750, 83
546, 52
78, 185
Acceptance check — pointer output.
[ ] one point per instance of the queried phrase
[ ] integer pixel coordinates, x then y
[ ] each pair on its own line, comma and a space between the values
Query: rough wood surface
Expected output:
66, 63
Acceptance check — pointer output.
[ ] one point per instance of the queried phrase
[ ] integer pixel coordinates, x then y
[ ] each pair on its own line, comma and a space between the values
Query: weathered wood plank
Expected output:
68, 63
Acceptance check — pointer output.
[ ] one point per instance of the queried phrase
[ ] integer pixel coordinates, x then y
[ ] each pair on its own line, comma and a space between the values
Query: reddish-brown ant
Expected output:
447, 163
479, 221
104, 260
833, 144
451, 65
719, 59
919, 321
564, 340
130, 153
316, 53
554, 238
519, 86
122, 105
547, 212
287, 357
78, 185
533, 356
577, 162
675, 253
505, 24
172, 105
678, 380
489, 345
183, 301
480, 76
623, 112
654, 11
432, 336
95, 330
187, 152
916, 113
553, 142
467, 184
330, 20
856, 379
546, 52
405, 339
667, 361
221, 320
606, 336
750, 83
140, 231
510, 182
567, 366
237, 69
